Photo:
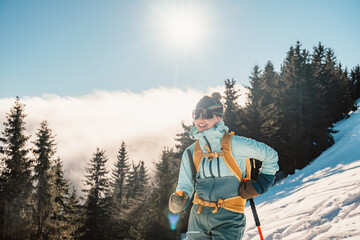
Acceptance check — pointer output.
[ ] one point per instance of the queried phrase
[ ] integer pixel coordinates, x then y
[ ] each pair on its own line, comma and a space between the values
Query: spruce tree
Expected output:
16, 182
322, 117
139, 217
143, 177
132, 183
294, 103
63, 213
249, 122
120, 172
355, 80
75, 212
97, 187
232, 108
337, 87
45, 190
183, 141
260, 116
115, 204
333, 97
347, 88
164, 183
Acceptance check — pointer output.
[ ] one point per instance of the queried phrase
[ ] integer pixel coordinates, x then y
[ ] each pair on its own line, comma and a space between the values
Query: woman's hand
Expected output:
177, 201
247, 190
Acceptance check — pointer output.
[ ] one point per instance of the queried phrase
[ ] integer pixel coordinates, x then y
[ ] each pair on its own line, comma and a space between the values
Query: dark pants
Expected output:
222, 225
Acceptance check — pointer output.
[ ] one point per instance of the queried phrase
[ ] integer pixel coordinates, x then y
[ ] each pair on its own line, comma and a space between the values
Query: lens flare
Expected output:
173, 220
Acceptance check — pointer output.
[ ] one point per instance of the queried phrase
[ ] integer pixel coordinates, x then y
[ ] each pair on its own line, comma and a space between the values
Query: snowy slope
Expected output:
321, 201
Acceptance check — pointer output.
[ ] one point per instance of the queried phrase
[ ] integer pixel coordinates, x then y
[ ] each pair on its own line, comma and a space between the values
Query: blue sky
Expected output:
71, 48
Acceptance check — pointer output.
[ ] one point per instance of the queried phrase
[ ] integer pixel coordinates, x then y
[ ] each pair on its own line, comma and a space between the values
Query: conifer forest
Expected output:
292, 110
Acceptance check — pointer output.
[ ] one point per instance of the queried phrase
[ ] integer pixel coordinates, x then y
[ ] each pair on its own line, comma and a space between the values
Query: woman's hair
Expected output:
212, 103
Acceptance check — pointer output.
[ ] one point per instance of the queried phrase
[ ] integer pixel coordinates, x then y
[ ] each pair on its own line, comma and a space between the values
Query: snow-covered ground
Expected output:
321, 201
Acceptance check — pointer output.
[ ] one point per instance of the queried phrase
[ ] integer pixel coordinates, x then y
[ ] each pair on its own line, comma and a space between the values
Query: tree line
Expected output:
292, 110
38, 202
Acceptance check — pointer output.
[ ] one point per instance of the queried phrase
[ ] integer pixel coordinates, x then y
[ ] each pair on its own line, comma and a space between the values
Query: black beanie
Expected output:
212, 103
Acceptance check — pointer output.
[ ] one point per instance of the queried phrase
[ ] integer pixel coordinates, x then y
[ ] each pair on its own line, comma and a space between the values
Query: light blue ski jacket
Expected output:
241, 149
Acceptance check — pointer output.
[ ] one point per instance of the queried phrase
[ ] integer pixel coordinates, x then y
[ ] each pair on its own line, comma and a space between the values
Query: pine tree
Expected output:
63, 213
164, 183
118, 224
295, 104
183, 141
98, 186
322, 118
250, 123
139, 217
355, 80
347, 89
120, 172
143, 177
336, 86
16, 183
333, 97
232, 108
45, 189
74, 215
132, 183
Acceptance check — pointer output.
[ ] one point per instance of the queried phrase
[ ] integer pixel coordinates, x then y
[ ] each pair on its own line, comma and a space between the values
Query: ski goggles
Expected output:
204, 113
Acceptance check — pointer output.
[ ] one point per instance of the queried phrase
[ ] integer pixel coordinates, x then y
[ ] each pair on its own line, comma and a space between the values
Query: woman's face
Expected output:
205, 124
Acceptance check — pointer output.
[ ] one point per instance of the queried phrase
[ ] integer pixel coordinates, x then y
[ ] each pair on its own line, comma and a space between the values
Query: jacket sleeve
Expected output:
263, 183
248, 148
185, 181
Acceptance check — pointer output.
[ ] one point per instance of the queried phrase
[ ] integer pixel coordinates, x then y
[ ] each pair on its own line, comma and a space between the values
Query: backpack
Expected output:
235, 204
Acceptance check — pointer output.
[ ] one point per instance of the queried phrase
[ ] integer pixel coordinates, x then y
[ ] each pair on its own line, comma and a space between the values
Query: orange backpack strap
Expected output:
248, 168
197, 155
228, 157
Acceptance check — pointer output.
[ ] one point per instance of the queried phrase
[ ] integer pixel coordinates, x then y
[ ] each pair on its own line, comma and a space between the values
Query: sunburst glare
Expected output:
181, 27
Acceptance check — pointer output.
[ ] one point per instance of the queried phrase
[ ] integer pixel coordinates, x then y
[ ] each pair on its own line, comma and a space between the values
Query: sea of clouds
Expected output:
146, 121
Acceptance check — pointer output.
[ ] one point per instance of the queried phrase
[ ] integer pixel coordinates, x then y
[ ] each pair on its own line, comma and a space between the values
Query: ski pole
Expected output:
256, 217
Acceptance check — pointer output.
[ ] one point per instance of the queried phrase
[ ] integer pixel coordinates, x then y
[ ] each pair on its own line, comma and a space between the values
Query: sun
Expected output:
182, 27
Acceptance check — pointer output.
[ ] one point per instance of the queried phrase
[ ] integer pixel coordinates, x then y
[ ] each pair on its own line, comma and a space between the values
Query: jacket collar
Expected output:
213, 133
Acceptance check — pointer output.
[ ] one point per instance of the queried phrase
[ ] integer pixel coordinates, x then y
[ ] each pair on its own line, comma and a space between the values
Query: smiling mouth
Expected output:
202, 125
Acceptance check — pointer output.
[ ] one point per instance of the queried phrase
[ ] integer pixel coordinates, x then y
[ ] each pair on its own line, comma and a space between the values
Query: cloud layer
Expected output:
147, 122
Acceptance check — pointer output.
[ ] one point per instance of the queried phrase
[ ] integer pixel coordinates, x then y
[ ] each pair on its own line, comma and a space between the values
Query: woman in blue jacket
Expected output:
218, 212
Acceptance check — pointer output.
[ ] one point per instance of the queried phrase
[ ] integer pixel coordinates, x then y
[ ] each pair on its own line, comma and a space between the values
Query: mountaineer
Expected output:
214, 168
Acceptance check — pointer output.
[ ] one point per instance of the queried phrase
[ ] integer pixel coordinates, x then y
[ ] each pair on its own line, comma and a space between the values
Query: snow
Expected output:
321, 201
